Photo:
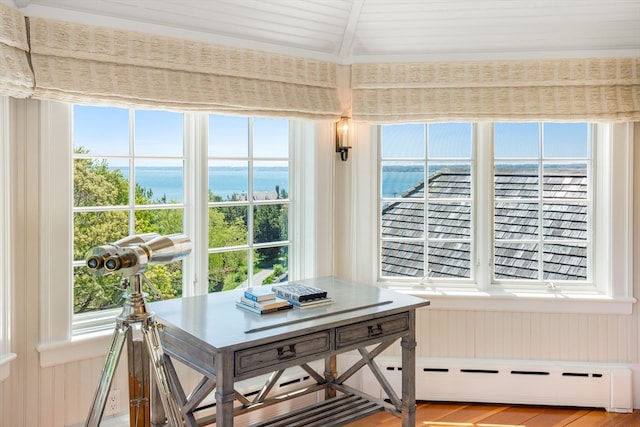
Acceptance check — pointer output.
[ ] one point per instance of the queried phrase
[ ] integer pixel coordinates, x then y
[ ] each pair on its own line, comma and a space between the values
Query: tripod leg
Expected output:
156, 354
139, 382
106, 377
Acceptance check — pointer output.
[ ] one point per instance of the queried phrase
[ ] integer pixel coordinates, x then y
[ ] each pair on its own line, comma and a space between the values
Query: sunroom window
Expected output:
427, 200
542, 202
188, 185
248, 202
536, 180
128, 179
137, 172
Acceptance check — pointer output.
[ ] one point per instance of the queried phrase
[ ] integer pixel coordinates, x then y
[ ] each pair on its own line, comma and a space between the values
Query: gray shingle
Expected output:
514, 219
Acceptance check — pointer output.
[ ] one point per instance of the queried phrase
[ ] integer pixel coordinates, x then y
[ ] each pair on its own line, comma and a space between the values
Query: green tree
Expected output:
96, 185
270, 225
227, 270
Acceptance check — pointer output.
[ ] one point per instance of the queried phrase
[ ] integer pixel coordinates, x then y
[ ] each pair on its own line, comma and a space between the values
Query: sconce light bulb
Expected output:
342, 138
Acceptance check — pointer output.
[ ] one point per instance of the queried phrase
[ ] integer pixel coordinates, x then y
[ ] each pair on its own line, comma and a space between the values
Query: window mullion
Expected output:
196, 203
132, 172
426, 278
250, 207
484, 202
541, 205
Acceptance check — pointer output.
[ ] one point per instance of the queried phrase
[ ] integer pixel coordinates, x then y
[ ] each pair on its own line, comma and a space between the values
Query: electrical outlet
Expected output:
113, 403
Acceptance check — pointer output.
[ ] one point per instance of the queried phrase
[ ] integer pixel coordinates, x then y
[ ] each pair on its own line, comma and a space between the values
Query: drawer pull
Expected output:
286, 352
375, 330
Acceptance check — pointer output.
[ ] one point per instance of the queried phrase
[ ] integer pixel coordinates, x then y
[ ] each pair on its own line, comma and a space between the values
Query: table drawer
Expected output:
371, 329
272, 355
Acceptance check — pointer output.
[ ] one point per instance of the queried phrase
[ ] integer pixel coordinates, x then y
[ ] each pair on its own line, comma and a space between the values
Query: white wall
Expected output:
60, 395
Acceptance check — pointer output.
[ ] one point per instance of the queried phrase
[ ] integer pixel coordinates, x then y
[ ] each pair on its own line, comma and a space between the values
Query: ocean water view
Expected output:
167, 182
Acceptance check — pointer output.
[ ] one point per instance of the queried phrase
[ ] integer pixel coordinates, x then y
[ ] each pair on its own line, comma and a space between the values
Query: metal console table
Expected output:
226, 344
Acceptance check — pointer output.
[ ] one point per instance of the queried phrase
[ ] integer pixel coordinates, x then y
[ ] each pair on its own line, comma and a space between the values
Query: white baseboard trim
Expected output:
602, 385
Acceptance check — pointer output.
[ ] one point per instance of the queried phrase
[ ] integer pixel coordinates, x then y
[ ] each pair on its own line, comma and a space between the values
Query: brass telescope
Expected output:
130, 257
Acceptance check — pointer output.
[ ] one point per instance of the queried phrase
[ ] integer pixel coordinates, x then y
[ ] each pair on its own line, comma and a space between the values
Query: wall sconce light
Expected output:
342, 137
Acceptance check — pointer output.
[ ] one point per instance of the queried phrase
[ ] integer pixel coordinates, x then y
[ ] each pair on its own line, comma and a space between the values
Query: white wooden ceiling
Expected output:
350, 31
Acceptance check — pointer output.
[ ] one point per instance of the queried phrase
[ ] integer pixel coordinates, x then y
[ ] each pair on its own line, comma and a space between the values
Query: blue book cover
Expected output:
259, 293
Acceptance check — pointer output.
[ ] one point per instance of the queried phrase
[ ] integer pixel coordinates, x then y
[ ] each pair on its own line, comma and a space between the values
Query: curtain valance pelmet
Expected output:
16, 78
73, 62
87, 64
572, 89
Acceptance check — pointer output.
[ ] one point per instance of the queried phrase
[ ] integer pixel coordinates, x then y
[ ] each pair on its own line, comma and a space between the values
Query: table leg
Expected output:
225, 393
330, 374
408, 344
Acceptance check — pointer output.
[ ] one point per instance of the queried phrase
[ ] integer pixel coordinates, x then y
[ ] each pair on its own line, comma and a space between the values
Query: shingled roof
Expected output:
515, 218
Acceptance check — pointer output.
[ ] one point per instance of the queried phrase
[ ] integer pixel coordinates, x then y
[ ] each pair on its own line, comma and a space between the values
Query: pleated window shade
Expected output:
606, 89
16, 78
82, 63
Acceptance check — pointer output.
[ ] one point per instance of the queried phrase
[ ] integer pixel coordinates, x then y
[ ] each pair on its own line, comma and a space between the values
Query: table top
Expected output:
215, 320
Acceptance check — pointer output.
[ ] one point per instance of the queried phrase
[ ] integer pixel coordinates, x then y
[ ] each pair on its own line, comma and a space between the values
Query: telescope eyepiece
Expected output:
132, 254
112, 263
94, 263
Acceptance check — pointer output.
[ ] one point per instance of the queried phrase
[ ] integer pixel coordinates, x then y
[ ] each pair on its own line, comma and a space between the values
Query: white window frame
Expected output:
427, 200
612, 290
251, 204
58, 343
5, 242
84, 323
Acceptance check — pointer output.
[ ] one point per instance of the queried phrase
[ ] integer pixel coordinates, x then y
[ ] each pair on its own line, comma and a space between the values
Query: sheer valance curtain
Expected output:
88, 64
605, 89
16, 78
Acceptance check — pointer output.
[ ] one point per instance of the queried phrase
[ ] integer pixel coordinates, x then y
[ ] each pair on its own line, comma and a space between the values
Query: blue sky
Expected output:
512, 140
104, 131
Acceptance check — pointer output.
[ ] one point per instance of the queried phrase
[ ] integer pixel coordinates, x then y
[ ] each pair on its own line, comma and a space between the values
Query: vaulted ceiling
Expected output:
352, 31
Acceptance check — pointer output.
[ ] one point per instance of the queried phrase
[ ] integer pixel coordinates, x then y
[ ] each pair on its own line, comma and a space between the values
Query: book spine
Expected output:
280, 293
252, 297
311, 297
251, 303
312, 303
264, 305
259, 311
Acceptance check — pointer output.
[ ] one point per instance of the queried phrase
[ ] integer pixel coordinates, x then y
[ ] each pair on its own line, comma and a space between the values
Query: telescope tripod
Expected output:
135, 312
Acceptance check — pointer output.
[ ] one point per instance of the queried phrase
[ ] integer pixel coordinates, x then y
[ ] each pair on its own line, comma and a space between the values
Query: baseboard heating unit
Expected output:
606, 386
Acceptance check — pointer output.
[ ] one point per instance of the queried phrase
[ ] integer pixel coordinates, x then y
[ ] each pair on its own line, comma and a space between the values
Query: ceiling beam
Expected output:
346, 48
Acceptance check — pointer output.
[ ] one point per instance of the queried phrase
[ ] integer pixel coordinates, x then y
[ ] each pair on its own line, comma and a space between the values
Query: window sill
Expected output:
80, 347
518, 300
4, 365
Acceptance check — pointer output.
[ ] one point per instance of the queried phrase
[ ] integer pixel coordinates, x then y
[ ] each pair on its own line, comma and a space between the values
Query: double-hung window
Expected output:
427, 201
451, 193
542, 215
128, 179
248, 201
224, 181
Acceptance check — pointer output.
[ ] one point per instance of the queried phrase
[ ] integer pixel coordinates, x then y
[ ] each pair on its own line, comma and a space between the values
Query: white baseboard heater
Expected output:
512, 381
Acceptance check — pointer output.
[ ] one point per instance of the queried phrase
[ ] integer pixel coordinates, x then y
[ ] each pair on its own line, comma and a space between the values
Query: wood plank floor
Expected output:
443, 414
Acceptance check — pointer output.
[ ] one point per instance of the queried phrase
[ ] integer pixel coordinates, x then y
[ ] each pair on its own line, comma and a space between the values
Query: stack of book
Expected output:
262, 300
302, 296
